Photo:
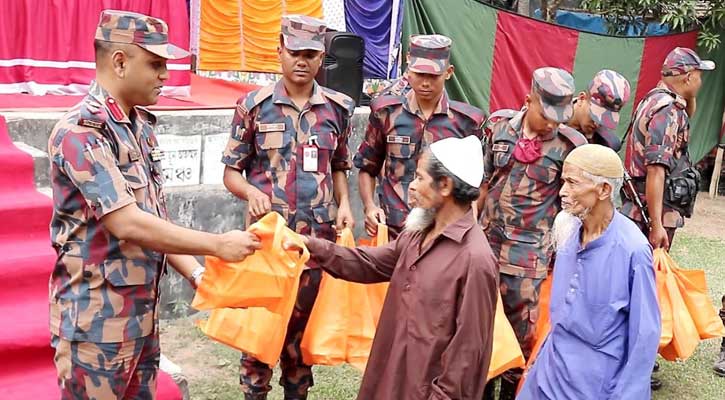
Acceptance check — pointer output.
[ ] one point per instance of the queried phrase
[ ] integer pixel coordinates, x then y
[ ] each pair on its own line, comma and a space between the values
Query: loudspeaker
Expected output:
342, 68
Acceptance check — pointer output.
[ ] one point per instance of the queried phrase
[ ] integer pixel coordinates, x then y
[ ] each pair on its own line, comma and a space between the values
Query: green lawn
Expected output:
215, 366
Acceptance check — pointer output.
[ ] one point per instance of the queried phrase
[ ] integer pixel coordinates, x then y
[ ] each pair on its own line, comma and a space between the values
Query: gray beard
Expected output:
566, 227
420, 219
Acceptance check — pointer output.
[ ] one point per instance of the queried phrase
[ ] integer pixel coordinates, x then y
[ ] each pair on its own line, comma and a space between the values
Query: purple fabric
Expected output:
371, 19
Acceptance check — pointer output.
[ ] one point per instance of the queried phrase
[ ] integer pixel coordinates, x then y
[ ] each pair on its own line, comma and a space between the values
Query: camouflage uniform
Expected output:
523, 200
659, 135
104, 291
398, 131
266, 144
608, 92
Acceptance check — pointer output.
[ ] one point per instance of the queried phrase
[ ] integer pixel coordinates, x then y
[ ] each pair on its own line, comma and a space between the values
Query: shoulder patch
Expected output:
572, 135
255, 98
385, 101
472, 112
340, 99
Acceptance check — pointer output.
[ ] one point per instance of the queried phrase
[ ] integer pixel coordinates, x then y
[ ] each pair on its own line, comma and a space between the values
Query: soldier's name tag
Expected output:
398, 139
309, 158
276, 127
500, 147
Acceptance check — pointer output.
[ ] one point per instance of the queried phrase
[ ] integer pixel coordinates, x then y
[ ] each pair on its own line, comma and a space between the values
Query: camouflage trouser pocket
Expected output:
520, 298
124, 370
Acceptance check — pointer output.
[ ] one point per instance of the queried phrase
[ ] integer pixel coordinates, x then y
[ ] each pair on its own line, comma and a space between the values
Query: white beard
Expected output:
566, 227
420, 219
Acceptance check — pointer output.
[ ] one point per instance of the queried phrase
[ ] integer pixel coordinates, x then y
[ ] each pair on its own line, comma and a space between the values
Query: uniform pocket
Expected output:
326, 144
274, 150
542, 174
522, 247
135, 175
124, 272
401, 150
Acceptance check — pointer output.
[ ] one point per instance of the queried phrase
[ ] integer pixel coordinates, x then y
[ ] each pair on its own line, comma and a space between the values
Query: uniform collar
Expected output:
517, 124
664, 86
280, 96
410, 103
101, 98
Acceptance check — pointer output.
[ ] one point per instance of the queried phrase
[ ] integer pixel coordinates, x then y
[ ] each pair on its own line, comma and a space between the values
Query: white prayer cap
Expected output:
463, 157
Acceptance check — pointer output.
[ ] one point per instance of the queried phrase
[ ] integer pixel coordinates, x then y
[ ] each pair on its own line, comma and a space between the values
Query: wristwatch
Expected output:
196, 274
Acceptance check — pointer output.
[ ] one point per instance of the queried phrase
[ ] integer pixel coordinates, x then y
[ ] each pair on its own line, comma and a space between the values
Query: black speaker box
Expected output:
342, 69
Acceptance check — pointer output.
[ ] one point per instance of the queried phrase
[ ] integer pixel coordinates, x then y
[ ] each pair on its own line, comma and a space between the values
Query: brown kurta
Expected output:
436, 328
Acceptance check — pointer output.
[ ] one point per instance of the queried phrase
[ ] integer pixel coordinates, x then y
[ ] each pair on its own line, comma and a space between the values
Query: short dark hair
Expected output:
102, 47
463, 193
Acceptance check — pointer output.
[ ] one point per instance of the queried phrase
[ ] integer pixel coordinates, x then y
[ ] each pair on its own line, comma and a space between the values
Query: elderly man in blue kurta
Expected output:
605, 319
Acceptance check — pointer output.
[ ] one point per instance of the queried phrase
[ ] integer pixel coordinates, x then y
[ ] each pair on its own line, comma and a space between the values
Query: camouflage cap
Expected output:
555, 88
146, 32
301, 32
682, 60
608, 93
429, 54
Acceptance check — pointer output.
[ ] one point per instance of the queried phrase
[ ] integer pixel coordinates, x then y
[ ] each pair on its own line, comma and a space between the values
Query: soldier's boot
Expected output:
508, 390
252, 396
719, 366
294, 396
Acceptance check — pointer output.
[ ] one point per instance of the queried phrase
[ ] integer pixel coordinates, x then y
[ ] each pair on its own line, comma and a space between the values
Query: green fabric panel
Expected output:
596, 52
707, 122
472, 27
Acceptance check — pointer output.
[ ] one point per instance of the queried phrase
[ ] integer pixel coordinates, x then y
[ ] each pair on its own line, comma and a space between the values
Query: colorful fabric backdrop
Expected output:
243, 34
46, 46
496, 52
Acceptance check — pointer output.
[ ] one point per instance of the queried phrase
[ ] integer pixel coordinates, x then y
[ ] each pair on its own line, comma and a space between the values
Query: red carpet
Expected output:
206, 93
26, 260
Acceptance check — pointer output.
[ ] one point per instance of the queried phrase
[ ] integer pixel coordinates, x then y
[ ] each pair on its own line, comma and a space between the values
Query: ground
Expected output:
212, 368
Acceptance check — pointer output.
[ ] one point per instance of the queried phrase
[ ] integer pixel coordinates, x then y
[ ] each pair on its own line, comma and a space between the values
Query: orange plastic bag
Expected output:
663, 299
377, 291
506, 350
543, 326
324, 341
257, 331
695, 294
685, 337
262, 279
342, 325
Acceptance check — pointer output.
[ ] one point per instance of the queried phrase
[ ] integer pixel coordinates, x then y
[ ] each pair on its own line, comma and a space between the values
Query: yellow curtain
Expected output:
244, 34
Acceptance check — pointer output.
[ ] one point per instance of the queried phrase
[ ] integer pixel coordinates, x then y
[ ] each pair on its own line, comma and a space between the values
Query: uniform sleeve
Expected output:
91, 165
341, 156
240, 148
466, 359
661, 137
644, 331
361, 264
371, 153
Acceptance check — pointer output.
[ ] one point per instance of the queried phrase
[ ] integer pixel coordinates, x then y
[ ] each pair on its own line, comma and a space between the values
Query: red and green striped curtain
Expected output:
495, 53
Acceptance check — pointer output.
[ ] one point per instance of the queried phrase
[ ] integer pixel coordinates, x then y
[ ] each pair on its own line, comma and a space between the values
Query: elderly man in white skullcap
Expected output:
435, 332
605, 321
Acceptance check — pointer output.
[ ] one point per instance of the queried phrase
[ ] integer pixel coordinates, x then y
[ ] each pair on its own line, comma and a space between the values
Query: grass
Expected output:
212, 369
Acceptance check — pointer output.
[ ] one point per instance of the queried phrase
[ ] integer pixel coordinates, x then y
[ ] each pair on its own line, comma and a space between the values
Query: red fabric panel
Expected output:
46, 75
523, 45
51, 30
655, 50
205, 93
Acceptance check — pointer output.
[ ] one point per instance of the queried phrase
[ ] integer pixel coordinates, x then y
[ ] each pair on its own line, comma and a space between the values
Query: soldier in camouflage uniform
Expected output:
109, 225
596, 111
657, 141
402, 126
288, 153
523, 161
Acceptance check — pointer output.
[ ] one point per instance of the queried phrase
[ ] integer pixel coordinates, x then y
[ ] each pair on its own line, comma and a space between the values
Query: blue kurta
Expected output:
605, 320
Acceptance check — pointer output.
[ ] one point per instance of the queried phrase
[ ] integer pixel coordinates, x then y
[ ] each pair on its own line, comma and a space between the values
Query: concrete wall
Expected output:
193, 141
